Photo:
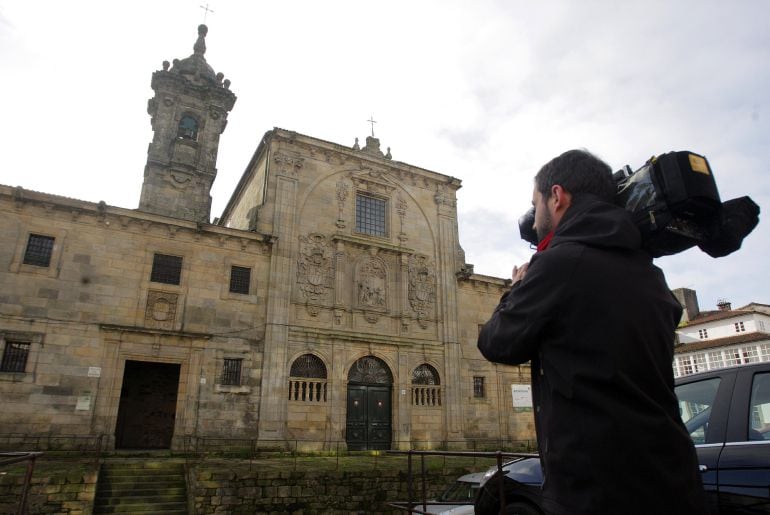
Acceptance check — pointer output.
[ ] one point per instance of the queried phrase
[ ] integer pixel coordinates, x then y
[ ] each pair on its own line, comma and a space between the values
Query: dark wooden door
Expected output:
147, 409
368, 417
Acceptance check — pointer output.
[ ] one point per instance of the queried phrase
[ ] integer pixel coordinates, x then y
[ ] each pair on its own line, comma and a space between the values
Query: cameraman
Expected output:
596, 319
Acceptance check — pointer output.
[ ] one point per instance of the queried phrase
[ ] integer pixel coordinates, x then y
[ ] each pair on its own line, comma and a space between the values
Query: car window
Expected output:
759, 414
695, 401
525, 470
460, 491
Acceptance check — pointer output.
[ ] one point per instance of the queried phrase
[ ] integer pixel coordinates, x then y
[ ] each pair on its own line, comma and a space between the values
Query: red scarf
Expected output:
545, 242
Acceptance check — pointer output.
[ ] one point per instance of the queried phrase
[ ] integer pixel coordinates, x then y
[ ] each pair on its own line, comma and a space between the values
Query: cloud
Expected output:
486, 92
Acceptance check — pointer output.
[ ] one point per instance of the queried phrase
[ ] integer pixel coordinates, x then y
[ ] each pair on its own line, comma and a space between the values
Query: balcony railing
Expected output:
307, 390
426, 396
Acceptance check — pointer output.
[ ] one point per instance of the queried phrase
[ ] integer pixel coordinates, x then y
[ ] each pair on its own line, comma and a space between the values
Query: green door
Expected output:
368, 425
369, 405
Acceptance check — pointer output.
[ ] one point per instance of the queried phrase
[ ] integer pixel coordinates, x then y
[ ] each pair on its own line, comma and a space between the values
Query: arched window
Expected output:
425, 374
370, 370
188, 128
426, 389
308, 365
307, 379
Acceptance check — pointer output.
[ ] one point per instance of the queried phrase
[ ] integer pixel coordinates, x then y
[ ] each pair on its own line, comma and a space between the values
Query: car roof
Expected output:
722, 371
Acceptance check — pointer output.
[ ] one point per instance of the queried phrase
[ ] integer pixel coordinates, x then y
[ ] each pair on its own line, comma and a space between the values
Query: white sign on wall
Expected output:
94, 371
522, 397
83, 403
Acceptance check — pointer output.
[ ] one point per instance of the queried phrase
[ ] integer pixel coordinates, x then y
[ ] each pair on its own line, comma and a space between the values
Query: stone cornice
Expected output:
483, 282
131, 220
323, 336
112, 328
371, 242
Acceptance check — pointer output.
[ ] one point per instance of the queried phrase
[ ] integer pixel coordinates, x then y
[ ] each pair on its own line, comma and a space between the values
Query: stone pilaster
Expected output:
272, 416
448, 310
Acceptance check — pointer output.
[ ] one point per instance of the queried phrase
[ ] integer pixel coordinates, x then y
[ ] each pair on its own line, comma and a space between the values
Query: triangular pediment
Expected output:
374, 180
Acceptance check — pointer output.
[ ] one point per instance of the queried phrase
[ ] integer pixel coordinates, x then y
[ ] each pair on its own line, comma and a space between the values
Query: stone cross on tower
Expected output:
207, 11
372, 121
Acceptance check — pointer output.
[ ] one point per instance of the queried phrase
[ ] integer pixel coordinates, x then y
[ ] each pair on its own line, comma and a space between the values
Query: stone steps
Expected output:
141, 486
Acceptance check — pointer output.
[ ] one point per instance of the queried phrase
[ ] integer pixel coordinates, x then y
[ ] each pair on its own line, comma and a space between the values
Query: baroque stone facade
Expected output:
329, 304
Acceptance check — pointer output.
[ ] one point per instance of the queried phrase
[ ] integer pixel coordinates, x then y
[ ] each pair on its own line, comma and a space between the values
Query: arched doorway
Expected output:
369, 405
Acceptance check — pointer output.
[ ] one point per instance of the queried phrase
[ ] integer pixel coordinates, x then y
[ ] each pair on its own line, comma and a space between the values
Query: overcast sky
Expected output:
483, 91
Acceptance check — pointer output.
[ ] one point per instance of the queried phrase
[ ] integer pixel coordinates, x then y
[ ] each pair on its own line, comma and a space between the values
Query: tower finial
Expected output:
207, 11
200, 45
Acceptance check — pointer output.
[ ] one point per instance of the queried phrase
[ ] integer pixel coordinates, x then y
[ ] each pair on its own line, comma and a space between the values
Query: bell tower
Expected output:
188, 114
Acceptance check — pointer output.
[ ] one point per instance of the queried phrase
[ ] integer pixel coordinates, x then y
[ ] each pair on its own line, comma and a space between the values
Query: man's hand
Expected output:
519, 272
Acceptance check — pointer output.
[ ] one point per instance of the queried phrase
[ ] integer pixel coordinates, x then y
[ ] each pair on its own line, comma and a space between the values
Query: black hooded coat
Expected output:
597, 321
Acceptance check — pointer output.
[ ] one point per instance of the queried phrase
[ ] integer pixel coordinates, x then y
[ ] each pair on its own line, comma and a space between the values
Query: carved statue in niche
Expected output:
422, 285
315, 274
371, 284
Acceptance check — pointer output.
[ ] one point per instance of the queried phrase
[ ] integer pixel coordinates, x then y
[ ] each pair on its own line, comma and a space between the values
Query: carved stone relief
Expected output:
315, 274
422, 286
372, 283
343, 190
178, 180
401, 210
373, 181
161, 309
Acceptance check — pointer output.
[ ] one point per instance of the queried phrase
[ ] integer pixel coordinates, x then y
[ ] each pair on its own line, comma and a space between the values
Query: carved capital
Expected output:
288, 166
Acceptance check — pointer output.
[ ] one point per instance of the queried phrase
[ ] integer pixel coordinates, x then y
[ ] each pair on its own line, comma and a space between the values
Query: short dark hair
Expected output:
578, 172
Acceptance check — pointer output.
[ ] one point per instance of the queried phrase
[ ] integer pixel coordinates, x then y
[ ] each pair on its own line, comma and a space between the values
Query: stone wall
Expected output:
233, 491
61, 491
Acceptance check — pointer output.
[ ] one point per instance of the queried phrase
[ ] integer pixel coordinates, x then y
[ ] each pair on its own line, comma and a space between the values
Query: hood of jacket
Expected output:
592, 221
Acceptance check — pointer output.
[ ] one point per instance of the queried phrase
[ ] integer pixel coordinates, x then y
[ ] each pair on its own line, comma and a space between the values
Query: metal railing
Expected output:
10, 458
411, 506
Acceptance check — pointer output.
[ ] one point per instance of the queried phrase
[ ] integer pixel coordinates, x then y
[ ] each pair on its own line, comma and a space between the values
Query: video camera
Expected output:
675, 203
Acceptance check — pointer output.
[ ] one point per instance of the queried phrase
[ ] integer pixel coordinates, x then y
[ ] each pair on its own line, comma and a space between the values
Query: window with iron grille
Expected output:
166, 269
15, 357
478, 387
370, 215
425, 374
231, 372
739, 327
308, 365
240, 278
703, 334
39, 250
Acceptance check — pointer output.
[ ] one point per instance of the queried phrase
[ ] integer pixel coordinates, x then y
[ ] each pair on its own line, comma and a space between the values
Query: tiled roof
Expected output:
711, 316
721, 342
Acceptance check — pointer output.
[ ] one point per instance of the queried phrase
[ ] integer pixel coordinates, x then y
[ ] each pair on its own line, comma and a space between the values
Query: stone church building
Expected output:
329, 304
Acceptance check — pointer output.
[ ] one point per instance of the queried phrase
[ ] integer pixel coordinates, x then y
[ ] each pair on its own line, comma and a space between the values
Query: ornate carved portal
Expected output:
369, 405
315, 273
